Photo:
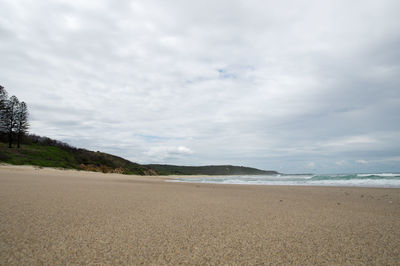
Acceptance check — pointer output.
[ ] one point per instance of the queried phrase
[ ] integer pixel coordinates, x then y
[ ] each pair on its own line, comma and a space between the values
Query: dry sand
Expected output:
67, 217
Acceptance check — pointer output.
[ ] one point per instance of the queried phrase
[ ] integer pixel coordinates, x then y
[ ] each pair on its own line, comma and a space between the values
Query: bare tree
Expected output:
21, 123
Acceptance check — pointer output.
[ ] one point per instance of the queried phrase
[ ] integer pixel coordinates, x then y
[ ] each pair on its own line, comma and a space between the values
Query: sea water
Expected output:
386, 180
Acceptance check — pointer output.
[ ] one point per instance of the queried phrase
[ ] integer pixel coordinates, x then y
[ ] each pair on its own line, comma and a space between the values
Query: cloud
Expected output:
341, 163
352, 140
259, 83
362, 162
311, 165
162, 153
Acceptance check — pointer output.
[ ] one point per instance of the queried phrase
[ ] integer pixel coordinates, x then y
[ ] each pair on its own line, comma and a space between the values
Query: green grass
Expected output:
34, 154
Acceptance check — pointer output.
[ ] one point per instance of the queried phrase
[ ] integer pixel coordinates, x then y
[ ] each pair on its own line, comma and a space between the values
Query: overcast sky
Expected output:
293, 86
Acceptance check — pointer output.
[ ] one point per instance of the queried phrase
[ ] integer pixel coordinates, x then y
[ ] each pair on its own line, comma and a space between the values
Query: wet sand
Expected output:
52, 216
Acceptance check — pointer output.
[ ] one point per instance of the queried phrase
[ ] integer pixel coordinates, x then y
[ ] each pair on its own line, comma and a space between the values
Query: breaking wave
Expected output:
348, 180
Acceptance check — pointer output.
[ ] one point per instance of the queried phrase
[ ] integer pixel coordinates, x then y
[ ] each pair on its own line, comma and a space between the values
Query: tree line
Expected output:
13, 117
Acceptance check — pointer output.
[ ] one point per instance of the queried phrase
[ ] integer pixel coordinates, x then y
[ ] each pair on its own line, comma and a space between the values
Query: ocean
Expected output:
385, 180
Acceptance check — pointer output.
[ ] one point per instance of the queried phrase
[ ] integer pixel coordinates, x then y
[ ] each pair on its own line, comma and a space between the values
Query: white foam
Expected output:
293, 180
300, 177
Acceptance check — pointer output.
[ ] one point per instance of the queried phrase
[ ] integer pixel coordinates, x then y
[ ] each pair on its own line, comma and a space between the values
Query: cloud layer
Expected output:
295, 87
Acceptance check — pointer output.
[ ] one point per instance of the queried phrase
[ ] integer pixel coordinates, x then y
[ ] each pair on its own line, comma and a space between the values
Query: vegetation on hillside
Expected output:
46, 152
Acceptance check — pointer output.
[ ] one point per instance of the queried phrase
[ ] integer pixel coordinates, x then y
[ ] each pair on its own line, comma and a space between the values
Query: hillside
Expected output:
70, 158
208, 170
46, 152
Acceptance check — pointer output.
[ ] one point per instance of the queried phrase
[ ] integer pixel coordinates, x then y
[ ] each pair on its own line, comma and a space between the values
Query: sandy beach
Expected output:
53, 217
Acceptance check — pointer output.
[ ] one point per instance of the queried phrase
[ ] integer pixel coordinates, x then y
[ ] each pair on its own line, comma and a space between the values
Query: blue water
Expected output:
387, 180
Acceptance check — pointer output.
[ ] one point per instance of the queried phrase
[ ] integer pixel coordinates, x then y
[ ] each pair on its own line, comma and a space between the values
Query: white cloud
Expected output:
341, 163
311, 165
162, 153
352, 140
386, 160
392, 159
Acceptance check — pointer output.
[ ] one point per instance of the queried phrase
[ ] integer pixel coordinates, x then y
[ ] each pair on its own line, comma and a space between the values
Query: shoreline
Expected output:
170, 178
50, 216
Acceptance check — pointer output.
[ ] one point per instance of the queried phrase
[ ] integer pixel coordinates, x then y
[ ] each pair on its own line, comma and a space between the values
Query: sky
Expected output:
303, 86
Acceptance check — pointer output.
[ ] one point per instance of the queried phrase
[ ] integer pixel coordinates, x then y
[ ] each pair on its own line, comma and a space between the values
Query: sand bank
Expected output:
52, 216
